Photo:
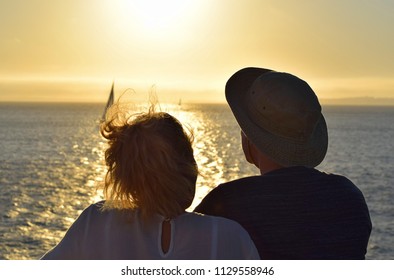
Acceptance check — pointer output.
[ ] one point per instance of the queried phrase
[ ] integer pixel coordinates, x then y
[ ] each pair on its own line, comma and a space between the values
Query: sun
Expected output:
158, 14
155, 16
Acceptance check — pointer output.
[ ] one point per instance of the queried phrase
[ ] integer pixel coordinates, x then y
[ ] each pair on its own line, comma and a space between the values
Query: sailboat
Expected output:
110, 101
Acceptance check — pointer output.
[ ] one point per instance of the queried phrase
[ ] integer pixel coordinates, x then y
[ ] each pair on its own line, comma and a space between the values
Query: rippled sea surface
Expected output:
51, 163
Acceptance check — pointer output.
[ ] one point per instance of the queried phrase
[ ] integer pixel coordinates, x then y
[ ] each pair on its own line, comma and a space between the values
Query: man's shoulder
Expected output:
336, 180
287, 180
232, 185
232, 191
243, 180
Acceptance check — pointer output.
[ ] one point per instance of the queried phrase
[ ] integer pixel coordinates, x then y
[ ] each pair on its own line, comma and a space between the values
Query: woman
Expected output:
150, 182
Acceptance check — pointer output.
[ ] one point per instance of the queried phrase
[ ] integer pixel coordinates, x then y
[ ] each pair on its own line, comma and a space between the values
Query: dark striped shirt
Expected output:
296, 213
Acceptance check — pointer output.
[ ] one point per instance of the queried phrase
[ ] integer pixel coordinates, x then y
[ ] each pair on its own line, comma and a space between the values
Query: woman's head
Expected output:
150, 164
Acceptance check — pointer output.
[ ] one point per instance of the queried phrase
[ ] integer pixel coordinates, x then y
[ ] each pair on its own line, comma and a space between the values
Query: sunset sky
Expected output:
58, 50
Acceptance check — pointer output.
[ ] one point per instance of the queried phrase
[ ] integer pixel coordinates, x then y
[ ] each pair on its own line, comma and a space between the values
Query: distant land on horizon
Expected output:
353, 101
358, 101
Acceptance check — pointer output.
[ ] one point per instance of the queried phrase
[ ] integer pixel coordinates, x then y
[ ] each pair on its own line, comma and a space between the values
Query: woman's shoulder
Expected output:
98, 211
101, 208
97, 206
94, 208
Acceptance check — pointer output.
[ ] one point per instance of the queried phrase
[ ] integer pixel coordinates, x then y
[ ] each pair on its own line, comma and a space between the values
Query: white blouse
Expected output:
120, 234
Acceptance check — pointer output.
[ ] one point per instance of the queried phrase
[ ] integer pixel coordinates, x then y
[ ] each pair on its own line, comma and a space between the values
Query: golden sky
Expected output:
57, 50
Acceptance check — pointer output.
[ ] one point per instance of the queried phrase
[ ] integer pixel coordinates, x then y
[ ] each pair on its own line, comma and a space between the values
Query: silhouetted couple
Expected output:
290, 211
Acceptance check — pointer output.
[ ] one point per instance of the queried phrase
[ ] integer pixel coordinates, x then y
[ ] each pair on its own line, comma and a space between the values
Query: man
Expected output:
291, 211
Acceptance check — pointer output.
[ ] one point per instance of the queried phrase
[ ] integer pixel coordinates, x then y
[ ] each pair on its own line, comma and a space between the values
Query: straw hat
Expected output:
280, 114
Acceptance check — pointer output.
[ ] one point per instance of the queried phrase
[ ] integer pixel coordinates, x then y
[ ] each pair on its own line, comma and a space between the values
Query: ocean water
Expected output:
51, 163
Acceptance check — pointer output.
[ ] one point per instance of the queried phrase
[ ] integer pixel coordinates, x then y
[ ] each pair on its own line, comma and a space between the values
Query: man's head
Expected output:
280, 114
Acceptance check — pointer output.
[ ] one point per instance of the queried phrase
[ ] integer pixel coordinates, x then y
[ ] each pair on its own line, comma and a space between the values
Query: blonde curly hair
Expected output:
150, 164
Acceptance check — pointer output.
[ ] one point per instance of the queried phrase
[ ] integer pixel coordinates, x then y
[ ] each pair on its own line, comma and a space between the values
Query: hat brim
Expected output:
283, 151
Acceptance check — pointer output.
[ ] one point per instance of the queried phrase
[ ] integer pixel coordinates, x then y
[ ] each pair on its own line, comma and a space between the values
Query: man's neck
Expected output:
266, 165
266, 170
